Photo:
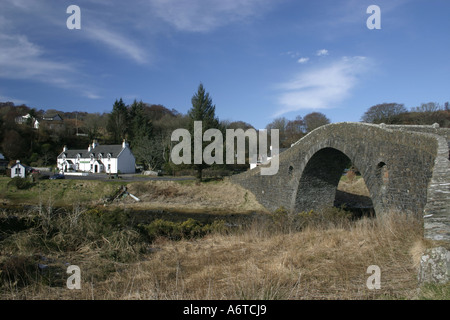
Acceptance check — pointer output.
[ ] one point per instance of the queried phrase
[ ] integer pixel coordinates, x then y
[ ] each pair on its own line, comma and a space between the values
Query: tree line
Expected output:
396, 113
148, 129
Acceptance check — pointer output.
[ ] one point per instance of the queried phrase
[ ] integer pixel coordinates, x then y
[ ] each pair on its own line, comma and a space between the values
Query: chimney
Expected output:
94, 143
65, 149
89, 148
124, 144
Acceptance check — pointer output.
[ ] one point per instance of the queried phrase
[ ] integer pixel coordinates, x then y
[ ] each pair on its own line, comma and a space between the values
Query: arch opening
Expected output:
331, 179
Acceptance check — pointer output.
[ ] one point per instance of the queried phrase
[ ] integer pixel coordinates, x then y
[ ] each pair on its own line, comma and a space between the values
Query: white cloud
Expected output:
24, 60
206, 15
303, 60
322, 87
91, 95
118, 42
21, 59
322, 52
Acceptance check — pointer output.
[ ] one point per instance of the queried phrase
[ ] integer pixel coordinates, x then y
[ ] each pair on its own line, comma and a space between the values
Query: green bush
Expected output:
20, 183
105, 222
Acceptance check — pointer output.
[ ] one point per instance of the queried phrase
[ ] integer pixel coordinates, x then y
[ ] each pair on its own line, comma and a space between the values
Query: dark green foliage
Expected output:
118, 121
202, 110
140, 125
20, 183
106, 222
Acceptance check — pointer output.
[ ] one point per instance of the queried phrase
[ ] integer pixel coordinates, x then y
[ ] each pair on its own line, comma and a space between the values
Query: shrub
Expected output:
18, 270
20, 183
105, 222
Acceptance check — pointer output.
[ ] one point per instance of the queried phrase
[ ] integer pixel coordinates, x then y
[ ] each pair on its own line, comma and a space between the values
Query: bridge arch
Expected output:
320, 177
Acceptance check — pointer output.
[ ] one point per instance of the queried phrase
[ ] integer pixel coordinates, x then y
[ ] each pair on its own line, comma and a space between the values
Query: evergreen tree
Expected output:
202, 110
140, 126
118, 121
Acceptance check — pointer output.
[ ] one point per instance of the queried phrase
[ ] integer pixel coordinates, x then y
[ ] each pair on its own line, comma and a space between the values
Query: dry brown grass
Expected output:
316, 263
220, 196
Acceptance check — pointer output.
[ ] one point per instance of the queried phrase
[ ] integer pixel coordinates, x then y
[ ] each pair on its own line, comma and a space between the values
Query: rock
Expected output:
42, 267
434, 266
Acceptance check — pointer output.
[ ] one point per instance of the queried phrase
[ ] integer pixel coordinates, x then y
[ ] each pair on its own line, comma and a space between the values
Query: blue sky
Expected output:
258, 59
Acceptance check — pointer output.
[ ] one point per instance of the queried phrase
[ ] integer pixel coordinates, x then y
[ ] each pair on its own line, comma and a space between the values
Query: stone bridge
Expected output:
405, 168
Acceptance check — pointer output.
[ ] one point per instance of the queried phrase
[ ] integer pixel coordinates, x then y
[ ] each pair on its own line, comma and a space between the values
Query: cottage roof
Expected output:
73, 153
104, 150
113, 149
18, 164
52, 117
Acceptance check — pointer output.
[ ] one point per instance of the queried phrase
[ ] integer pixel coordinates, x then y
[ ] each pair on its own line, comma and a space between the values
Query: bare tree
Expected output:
427, 107
315, 120
384, 113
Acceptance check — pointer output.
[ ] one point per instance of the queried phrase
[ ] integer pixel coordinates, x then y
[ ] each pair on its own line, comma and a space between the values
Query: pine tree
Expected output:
118, 121
202, 110
139, 126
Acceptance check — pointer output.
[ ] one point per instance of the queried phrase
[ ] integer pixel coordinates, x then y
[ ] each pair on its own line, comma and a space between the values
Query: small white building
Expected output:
18, 170
28, 118
98, 158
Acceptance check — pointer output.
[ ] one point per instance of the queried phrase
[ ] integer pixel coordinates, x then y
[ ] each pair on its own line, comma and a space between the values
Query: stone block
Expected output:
434, 266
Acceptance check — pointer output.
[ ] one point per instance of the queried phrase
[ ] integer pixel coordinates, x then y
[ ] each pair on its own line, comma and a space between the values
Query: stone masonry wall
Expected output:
437, 208
396, 164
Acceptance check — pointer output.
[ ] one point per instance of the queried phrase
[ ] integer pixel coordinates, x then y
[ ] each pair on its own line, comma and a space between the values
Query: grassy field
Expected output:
59, 192
278, 255
216, 196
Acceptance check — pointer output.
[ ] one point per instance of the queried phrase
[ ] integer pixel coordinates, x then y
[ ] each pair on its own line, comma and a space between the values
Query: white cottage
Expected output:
18, 170
98, 158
